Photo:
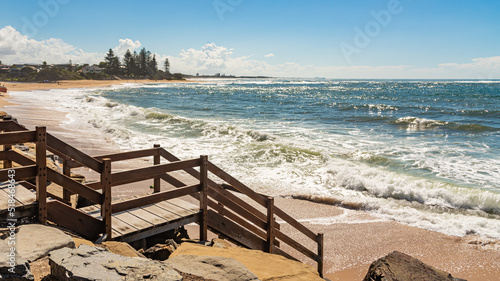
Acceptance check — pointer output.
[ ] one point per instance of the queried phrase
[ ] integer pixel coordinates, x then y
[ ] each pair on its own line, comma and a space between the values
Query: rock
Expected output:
398, 266
221, 243
216, 268
161, 252
266, 266
36, 240
12, 265
121, 248
94, 263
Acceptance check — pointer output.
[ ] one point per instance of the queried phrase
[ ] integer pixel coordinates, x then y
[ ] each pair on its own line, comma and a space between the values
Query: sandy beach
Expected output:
353, 238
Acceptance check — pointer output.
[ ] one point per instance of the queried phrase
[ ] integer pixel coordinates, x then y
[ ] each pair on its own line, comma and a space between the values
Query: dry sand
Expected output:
351, 243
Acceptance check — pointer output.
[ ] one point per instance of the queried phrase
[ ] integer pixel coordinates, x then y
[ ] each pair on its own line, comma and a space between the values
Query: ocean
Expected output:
422, 153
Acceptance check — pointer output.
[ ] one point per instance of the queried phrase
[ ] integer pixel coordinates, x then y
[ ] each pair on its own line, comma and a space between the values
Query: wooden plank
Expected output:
296, 245
321, 253
7, 198
148, 216
167, 215
237, 184
156, 161
74, 186
11, 125
122, 156
234, 232
73, 219
171, 180
21, 173
21, 159
41, 175
150, 172
179, 207
204, 198
239, 206
293, 222
24, 196
17, 137
160, 229
154, 198
106, 209
237, 219
270, 224
134, 220
74, 153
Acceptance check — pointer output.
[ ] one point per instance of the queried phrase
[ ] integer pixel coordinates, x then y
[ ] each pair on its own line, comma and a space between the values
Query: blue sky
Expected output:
333, 39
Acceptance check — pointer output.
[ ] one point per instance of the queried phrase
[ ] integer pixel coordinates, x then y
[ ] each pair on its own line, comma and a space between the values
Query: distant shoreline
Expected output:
66, 84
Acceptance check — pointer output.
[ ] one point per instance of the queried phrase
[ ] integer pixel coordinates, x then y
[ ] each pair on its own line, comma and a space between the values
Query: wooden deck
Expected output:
25, 204
142, 222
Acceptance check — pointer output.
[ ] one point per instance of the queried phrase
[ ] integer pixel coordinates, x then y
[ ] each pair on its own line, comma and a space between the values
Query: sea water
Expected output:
423, 153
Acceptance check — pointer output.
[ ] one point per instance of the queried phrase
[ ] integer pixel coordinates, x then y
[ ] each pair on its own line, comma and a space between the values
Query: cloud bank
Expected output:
211, 59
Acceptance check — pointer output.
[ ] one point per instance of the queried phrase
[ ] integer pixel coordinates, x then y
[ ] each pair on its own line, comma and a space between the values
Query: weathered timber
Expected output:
17, 137
154, 198
74, 186
74, 219
68, 150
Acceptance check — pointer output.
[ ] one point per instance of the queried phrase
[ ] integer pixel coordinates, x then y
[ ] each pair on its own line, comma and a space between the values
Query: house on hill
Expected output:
91, 69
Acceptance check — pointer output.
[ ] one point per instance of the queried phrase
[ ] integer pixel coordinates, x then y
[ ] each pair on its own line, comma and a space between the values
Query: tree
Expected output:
128, 61
143, 62
112, 62
167, 66
153, 65
44, 64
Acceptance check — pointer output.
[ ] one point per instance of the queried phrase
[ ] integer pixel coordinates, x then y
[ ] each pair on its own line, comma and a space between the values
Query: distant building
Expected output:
67, 66
91, 69
4, 69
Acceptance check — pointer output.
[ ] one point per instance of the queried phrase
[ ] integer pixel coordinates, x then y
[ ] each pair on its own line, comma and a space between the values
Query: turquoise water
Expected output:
424, 153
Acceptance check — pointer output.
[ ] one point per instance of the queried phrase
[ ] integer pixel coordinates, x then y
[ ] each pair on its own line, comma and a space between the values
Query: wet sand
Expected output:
353, 238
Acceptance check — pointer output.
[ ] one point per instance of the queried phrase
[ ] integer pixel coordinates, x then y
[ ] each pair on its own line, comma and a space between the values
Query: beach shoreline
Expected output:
351, 244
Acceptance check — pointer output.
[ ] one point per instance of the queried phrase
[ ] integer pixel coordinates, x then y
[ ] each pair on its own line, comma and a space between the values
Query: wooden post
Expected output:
319, 240
106, 193
157, 180
41, 173
270, 224
204, 197
66, 172
7, 164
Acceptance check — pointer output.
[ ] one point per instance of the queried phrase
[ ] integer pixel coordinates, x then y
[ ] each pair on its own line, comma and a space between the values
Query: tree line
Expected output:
137, 65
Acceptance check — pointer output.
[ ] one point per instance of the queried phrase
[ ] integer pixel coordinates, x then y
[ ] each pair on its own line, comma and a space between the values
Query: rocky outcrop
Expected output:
34, 241
25, 244
215, 268
264, 265
161, 252
93, 263
121, 248
397, 266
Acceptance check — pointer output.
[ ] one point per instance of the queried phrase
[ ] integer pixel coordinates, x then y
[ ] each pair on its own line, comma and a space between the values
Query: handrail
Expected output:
68, 150
17, 137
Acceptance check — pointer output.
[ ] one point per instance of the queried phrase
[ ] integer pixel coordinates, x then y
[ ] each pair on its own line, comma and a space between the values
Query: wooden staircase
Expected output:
248, 218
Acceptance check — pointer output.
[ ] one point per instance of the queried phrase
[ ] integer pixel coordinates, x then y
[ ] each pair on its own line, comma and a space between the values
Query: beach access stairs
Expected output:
244, 217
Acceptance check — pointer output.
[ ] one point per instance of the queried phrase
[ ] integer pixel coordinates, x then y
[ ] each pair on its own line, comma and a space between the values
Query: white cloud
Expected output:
126, 44
18, 48
270, 55
211, 59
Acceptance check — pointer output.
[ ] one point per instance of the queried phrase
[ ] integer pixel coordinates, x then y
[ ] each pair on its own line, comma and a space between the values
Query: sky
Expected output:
344, 39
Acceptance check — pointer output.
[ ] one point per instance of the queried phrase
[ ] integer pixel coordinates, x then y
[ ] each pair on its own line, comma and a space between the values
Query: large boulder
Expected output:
214, 268
13, 266
160, 252
121, 248
397, 266
92, 263
266, 266
34, 241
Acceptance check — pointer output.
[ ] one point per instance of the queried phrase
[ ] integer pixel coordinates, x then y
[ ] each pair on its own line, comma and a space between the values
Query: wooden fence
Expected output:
221, 210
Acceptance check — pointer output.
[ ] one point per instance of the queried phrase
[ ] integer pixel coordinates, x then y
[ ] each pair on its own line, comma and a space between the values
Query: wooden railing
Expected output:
252, 225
